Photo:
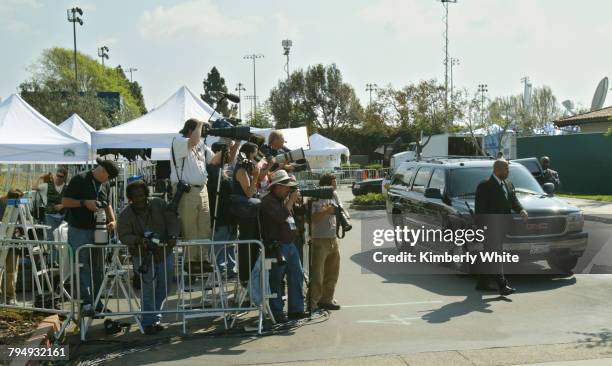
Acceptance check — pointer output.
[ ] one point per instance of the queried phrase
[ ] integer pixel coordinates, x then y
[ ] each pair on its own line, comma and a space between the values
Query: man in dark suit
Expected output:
495, 201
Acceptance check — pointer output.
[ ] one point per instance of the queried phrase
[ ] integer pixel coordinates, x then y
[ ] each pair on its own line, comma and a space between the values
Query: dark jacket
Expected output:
491, 199
156, 219
493, 210
274, 216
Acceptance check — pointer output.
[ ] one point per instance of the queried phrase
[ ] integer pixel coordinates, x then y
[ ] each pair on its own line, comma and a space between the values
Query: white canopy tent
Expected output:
157, 128
26, 136
78, 128
325, 153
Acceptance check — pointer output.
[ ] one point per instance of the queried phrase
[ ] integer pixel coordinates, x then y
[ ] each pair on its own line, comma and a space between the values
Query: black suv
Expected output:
440, 193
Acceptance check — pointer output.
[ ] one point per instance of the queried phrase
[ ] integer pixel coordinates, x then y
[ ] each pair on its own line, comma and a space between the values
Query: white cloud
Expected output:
201, 17
9, 14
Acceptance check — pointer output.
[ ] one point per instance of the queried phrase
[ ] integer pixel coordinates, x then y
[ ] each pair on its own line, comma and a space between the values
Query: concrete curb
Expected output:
367, 208
605, 220
42, 336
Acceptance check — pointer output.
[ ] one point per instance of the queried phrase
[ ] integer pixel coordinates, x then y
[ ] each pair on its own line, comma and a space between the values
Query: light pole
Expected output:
254, 57
482, 89
453, 62
131, 70
74, 19
253, 108
446, 61
240, 88
103, 53
370, 88
287, 43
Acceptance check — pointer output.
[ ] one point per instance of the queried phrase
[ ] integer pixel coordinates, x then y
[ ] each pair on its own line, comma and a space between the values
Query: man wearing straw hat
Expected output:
279, 232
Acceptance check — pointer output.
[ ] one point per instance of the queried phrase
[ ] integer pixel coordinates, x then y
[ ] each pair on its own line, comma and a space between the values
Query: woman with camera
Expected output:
244, 189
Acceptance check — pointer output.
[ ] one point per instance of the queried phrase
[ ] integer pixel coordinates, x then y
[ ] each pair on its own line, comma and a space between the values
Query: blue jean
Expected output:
153, 285
295, 281
54, 221
91, 262
225, 253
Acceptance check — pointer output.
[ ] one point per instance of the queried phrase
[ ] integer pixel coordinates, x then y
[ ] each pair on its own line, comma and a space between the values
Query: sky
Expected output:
564, 44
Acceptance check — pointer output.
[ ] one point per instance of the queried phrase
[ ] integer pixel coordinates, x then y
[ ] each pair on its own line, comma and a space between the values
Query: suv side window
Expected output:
437, 179
421, 179
407, 178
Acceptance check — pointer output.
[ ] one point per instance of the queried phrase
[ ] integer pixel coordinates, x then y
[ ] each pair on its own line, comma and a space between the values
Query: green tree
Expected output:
419, 107
317, 98
51, 89
262, 118
544, 108
214, 85
135, 90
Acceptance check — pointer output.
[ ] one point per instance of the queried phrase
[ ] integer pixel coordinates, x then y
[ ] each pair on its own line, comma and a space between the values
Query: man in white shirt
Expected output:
191, 155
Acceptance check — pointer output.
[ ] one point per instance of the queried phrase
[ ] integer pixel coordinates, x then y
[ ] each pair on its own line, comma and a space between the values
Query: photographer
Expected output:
189, 156
325, 254
246, 175
276, 143
225, 226
279, 232
51, 192
84, 194
143, 226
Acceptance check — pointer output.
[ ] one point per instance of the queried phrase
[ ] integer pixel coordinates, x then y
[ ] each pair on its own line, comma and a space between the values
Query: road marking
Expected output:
395, 320
393, 304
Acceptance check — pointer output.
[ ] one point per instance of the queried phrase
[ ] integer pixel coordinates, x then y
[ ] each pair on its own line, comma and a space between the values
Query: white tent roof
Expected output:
26, 136
294, 137
321, 145
78, 128
156, 128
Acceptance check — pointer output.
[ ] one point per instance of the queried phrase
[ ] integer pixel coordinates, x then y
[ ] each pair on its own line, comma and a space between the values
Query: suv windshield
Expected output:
463, 181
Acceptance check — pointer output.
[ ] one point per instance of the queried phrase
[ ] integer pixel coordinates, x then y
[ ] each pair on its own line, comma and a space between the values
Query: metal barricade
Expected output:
344, 176
198, 292
38, 276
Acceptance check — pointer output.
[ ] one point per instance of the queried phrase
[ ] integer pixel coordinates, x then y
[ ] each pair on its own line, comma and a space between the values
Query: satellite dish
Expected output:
600, 94
569, 106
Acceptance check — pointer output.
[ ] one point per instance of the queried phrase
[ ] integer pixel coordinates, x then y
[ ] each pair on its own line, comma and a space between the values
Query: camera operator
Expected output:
325, 254
85, 192
279, 232
51, 192
225, 226
246, 176
189, 156
142, 226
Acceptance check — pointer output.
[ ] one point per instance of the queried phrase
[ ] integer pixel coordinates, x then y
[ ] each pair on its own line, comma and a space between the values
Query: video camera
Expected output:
233, 132
316, 192
151, 242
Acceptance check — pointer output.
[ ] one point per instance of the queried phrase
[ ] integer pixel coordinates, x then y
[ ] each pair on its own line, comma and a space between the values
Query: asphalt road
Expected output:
386, 313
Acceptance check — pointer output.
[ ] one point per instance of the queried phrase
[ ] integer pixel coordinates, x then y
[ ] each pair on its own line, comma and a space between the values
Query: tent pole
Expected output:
7, 183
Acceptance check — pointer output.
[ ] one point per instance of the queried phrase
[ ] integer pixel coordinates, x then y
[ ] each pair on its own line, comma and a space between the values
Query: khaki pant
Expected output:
194, 213
7, 285
325, 270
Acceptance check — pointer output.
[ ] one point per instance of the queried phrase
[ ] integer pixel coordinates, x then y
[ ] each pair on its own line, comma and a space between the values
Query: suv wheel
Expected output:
400, 244
564, 264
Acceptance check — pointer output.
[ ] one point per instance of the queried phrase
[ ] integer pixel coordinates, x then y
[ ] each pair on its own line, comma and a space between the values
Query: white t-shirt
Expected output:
194, 170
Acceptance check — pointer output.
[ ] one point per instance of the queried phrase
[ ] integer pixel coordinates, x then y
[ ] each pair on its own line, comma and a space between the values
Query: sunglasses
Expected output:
60, 176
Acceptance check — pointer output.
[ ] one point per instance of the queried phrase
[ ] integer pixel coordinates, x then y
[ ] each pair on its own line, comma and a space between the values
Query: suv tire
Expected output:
564, 264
